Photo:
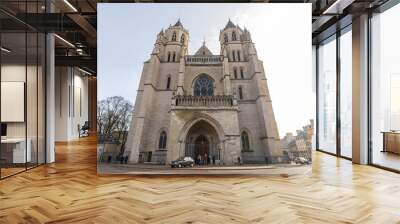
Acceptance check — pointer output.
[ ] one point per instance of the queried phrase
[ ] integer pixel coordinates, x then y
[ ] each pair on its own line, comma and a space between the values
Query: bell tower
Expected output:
176, 40
232, 39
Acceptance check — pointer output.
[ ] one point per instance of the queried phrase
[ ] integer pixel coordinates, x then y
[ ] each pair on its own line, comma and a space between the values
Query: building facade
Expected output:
204, 104
301, 144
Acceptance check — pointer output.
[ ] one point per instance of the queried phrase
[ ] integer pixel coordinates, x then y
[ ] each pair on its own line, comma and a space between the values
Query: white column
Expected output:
50, 98
360, 90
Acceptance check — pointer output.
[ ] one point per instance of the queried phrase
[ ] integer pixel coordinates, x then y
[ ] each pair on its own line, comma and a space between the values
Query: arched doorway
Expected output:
201, 146
202, 139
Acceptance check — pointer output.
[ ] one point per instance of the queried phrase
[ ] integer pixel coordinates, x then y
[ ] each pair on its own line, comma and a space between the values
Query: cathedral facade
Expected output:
204, 104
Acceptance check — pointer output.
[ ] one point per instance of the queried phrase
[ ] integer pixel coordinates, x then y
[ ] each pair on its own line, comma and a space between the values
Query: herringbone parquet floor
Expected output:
70, 191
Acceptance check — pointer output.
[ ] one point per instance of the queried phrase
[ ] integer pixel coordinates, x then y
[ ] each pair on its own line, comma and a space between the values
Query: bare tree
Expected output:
113, 119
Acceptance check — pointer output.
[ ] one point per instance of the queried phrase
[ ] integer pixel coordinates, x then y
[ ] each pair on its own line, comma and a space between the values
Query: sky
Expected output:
281, 33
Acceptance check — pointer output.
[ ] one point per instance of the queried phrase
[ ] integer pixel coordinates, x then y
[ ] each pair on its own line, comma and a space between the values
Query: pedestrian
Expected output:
205, 158
239, 160
213, 159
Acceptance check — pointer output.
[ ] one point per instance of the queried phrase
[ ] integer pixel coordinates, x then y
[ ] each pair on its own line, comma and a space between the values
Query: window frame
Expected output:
334, 37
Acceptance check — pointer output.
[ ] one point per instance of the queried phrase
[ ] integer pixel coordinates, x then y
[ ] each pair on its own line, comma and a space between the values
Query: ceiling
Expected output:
75, 22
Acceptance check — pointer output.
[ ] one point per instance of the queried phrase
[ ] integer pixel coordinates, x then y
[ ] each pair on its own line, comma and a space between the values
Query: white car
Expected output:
302, 160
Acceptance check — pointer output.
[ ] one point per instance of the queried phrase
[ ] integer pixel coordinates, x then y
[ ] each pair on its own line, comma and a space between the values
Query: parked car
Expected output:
183, 162
302, 160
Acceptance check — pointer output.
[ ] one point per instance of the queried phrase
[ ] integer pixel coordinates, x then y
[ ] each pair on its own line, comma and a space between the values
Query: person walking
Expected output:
198, 159
205, 158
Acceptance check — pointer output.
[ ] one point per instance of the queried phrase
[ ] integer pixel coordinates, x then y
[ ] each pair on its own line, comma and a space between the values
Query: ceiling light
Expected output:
84, 71
64, 40
338, 6
5, 50
70, 5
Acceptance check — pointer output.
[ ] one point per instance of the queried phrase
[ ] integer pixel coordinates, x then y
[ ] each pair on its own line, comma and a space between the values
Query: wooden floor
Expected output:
70, 191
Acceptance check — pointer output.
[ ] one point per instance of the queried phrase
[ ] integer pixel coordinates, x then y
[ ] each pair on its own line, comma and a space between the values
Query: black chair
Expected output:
84, 130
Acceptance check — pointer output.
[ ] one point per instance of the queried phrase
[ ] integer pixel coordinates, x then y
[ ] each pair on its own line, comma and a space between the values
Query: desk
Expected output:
391, 141
13, 150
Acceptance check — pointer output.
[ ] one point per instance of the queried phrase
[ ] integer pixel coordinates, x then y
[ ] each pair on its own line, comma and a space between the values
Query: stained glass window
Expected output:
245, 141
204, 86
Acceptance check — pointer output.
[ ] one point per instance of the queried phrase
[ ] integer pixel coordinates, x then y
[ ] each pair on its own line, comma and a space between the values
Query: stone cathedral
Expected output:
204, 104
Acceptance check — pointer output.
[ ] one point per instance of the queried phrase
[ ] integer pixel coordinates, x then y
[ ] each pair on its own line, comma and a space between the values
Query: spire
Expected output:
203, 50
229, 25
179, 23
204, 41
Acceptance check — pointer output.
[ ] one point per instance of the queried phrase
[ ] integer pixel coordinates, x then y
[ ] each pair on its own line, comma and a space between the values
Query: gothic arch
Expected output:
162, 141
202, 117
183, 38
249, 138
174, 36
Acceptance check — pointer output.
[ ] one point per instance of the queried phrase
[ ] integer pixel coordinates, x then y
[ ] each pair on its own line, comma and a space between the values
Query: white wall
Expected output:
71, 102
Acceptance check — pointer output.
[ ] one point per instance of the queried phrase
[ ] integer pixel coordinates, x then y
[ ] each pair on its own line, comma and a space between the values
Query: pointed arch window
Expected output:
183, 39
174, 36
233, 36
173, 57
245, 141
241, 73
238, 55
204, 86
240, 89
235, 72
233, 56
169, 56
168, 82
162, 143
226, 38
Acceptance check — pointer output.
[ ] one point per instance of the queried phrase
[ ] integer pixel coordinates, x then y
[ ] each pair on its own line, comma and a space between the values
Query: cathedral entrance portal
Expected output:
202, 143
201, 147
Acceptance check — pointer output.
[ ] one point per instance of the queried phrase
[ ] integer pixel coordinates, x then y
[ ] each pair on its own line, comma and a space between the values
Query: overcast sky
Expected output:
281, 33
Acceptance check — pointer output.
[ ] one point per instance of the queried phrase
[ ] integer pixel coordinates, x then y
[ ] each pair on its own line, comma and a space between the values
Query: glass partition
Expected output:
31, 99
346, 93
41, 96
13, 95
385, 89
327, 95
22, 78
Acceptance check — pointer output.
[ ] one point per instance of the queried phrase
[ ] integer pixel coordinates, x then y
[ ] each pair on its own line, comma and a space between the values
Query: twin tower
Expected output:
203, 105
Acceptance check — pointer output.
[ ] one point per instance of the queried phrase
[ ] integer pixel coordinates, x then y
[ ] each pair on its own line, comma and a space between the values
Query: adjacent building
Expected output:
299, 145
